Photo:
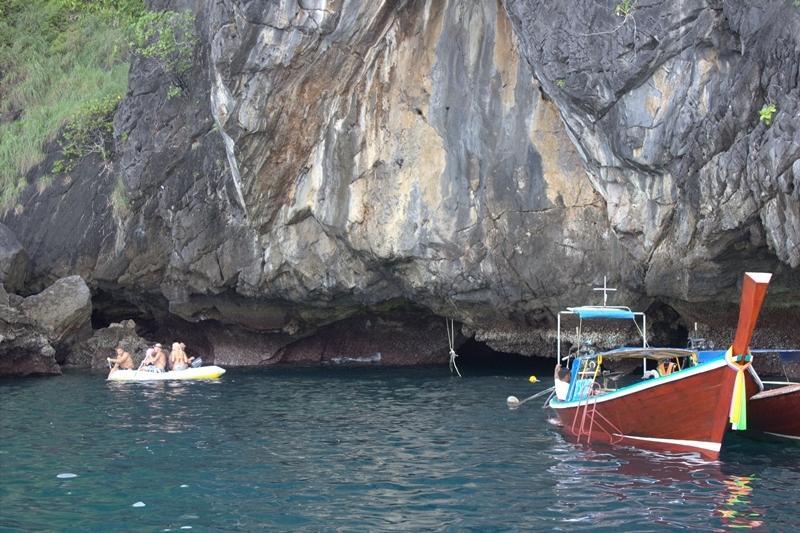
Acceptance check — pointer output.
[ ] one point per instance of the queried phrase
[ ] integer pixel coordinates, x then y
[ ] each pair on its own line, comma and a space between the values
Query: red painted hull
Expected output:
776, 412
688, 412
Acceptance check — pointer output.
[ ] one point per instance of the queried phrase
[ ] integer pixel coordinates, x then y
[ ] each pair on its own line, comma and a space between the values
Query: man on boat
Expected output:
155, 360
177, 357
123, 360
562, 377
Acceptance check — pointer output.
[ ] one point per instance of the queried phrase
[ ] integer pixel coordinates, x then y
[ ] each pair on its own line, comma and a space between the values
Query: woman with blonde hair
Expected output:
177, 357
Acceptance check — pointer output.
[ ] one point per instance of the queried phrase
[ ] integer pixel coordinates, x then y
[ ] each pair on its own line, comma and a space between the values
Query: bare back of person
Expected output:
178, 357
160, 360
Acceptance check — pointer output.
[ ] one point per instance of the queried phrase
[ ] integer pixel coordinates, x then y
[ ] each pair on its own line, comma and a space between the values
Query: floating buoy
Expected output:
512, 402
533, 379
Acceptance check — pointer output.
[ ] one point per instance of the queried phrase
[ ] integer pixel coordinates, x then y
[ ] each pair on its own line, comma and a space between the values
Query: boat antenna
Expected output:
605, 288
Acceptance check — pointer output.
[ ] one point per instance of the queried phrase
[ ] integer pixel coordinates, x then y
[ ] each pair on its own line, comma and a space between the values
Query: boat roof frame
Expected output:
575, 311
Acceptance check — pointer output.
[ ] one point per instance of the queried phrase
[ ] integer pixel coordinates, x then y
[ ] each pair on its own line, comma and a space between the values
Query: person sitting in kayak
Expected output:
155, 360
177, 357
123, 360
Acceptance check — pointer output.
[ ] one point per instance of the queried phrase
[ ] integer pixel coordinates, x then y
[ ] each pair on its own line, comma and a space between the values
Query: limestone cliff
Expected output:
361, 166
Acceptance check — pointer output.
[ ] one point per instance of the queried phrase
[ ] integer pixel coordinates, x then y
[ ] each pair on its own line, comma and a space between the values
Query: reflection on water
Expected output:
737, 510
371, 449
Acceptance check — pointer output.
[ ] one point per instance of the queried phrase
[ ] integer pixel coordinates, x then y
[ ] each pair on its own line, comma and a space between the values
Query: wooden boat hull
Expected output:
685, 411
776, 412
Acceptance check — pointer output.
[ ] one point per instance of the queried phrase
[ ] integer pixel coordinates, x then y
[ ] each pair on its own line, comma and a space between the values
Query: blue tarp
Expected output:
787, 356
707, 356
602, 312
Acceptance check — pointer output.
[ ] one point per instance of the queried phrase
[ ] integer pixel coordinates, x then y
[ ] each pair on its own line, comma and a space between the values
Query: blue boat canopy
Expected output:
609, 313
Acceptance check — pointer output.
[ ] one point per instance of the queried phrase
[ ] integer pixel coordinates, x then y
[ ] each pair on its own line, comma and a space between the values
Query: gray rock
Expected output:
485, 161
92, 352
24, 348
13, 260
64, 310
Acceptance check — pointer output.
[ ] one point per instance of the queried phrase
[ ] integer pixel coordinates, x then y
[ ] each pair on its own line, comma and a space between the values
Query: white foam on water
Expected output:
66, 475
186, 527
184, 486
138, 504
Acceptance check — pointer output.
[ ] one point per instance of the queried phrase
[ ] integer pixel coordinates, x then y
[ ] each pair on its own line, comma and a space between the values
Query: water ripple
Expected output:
371, 449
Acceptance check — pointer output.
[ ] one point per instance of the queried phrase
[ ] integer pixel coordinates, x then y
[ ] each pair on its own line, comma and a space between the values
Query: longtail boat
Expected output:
776, 412
680, 403
775, 409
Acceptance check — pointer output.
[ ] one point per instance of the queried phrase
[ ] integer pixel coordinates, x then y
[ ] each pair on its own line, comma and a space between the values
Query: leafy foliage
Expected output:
66, 62
90, 131
168, 37
766, 113
624, 8
173, 91
55, 57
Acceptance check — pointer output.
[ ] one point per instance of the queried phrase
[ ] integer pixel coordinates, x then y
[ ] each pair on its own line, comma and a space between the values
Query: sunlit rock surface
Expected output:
329, 161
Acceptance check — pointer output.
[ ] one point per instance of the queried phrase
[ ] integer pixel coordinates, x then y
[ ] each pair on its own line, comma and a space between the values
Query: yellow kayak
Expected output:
203, 372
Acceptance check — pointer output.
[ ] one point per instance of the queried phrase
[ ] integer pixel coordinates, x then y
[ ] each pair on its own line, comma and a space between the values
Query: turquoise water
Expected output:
351, 449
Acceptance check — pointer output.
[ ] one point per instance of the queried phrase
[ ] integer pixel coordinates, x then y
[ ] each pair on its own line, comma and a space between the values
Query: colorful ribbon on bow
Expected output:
738, 413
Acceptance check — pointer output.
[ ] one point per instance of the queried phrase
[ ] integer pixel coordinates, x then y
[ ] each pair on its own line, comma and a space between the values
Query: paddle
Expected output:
140, 366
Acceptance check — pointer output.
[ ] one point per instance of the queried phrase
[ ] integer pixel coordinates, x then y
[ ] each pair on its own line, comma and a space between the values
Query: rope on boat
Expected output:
451, 340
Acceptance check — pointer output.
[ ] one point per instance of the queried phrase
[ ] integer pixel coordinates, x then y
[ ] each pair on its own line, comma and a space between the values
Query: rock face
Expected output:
92, 352
24, 348
328, 161
13, 261
64, 311
697, 188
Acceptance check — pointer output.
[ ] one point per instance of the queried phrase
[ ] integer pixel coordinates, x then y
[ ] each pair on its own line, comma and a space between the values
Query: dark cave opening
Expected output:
475, 357
108, 307
665, 326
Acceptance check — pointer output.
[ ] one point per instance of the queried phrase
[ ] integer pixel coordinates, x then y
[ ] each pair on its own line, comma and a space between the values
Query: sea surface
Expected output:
366, 449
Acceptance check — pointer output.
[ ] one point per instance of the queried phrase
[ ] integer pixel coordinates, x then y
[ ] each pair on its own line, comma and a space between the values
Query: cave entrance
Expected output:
665, 326
478, 358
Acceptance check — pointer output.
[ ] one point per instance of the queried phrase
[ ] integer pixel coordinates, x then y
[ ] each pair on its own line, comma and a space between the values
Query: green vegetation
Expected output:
561, 83
169, 38
766, 113
624, 8
119, 201
66, 62
89, 131
55, 56
173, 91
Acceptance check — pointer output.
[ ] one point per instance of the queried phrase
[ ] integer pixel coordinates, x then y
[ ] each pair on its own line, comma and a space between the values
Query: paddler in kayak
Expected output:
155, 360
177, 357
123, 360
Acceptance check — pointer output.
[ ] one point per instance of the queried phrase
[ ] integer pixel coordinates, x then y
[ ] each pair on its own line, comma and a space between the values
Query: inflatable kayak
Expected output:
203, 372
